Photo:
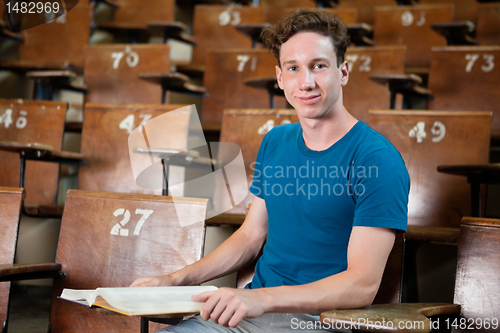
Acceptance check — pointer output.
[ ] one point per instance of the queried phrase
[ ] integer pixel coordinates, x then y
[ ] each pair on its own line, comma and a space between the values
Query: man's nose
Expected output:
307, 80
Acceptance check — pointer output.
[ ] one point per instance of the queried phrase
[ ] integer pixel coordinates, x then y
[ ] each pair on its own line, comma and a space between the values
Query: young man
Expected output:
330, 195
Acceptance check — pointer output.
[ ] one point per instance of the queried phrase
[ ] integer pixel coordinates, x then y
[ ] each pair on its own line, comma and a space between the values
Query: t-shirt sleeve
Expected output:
380, 191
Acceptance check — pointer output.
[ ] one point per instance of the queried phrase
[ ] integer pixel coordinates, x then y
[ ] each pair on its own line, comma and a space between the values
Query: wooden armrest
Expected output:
226, 219
110, 3
16, 272
174, 82
173, 30
7, 33
49, 74
32, 65
456, 33
326, 3
389, 318
265, 83
433, 234
252, 30
42, 152
403, 83
52, 211
361, 34
178, 157
479, 173
191, 70
118, 26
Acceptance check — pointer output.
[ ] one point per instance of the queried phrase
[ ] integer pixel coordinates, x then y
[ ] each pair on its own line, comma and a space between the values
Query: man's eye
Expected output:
293, 68
320, 66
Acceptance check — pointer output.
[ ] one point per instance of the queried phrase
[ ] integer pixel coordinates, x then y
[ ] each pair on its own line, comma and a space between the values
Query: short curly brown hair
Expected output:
307, 20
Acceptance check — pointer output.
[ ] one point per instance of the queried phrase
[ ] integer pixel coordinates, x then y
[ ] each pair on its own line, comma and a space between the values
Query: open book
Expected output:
140, 301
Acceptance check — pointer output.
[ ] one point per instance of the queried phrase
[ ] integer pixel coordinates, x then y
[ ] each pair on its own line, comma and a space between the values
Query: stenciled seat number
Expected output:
129, 121
131, 57
6, 119
119, 230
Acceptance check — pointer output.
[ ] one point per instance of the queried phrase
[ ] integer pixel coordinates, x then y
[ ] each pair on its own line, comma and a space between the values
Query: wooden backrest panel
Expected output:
10, 206
464, 9
139, 13
224, 78
105, 145
348, 15
488, 24
63, 39
214, 28
246, 128
427, 139
97, 251
361, 93
466, 78
476, 284
28, 122
366, 8
111, 72
411, 26
274, 10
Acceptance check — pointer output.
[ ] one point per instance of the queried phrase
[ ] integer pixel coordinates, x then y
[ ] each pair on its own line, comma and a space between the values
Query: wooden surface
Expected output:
251, 125
10, 206
464, 9
366, 8
226, 71
476, 283
436, 199
459, 82
361, 93
106, 147
349, 15
457, 33
411, 26
135, 12
214, 28
63, 39
389, 318
112, 79
488, 24
32, 122
93, 257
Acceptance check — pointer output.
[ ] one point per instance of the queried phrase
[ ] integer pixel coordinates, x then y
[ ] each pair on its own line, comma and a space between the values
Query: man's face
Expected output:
309, 75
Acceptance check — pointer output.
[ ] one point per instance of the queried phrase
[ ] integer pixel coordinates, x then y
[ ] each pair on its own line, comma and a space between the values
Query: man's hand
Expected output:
229, 306
153, 281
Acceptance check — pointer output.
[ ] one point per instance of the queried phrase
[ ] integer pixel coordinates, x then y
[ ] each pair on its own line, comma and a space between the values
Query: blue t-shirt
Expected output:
315, 198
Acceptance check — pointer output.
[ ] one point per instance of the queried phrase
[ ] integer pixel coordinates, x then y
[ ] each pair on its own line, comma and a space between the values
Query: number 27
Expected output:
118, 227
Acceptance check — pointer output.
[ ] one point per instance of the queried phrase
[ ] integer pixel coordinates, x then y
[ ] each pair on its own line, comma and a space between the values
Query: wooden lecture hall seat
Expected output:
52, 53
488, 24
226, 71
10, 209
105, 134
136, 22
475, 300
222, 34
31, 139
466, 78
122, 237
362, 94
411, 26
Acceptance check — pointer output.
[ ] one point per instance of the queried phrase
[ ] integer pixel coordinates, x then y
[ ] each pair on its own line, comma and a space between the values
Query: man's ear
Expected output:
344, 70
279, 77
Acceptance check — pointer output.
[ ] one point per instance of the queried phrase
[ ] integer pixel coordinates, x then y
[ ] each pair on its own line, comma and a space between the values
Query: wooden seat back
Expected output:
361, 94
411, 26
110, 239
466, 78
246, 128
427, 139
214, 28
277, 10
366, 8
61, 40
476, 283
488, 24
105, 133
10, 207
136, 13
112, 71
226, 71
464, 9
32, 122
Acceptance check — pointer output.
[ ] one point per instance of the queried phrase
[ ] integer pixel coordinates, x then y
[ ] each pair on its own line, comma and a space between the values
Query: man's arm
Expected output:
356, 287
239, 249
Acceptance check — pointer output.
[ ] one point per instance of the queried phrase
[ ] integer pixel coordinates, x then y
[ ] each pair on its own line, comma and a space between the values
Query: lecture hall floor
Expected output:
29, 309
